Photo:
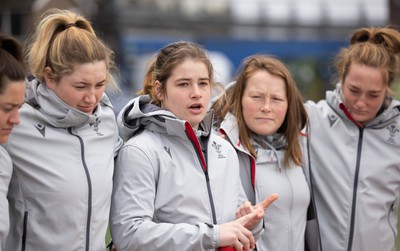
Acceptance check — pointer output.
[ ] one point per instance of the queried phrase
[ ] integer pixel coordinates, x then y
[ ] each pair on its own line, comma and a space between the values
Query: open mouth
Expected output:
196, 106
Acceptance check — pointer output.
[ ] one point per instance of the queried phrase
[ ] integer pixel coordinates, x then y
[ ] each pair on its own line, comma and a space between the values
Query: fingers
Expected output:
245, 240
244, 209
253, 216
234, 234
249, 216
268, 201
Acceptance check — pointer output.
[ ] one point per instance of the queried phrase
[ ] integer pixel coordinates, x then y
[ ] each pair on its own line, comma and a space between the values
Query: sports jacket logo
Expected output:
332, 119
218, 149
168, 150
392, 133
41, 128
95, 125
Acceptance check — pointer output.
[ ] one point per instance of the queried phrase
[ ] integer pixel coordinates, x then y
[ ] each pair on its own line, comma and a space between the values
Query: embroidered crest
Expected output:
96, 128
218, 149
393, 130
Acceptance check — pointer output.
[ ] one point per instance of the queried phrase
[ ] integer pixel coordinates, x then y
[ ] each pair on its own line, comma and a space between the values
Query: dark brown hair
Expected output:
166, 61
11, 61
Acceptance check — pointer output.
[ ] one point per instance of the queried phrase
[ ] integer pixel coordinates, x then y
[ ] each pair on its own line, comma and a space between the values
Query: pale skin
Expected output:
83, 88
11, 100
264, 103
188, 92
235, 233
364, 92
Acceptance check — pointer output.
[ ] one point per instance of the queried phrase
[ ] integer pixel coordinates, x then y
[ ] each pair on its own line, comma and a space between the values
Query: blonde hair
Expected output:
296, 115
374, 47
62, 40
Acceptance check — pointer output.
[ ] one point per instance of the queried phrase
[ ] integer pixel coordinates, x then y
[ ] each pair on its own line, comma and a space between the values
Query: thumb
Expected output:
268, 201
248, 217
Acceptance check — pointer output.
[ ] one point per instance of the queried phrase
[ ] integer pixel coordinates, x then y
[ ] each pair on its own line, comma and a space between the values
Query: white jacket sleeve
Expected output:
132, 222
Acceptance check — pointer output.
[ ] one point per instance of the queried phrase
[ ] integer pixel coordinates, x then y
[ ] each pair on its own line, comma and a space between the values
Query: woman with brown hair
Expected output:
262, 115
12, 92
177, 185
354, 146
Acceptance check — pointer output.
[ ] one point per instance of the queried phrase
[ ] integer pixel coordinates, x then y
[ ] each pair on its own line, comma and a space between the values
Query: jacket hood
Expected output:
140, 113
230, 128
58, 113
274, 143
389, 110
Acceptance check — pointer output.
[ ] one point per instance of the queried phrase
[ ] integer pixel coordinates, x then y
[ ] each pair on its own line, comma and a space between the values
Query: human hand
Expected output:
260, 208
235, 234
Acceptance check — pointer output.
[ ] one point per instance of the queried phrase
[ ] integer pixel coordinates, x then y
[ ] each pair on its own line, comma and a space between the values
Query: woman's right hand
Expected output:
235, 234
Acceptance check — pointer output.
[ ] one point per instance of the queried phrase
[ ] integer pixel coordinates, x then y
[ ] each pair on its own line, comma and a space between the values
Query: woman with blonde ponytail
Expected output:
63, 151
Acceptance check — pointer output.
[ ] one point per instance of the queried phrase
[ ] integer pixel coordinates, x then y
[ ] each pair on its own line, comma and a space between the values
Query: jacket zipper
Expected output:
25, 230
202, 159
355, 187
89, 182
391, 211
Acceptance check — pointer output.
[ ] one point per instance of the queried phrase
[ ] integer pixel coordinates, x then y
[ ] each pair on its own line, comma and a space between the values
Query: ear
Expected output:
158, 90
48, 79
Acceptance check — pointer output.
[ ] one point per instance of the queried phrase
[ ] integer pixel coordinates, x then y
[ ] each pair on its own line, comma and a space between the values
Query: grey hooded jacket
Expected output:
5, 176
355, 175
60, 191
172, 185
285, 219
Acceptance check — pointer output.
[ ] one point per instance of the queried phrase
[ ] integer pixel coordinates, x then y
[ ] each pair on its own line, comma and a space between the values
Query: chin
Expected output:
3, 139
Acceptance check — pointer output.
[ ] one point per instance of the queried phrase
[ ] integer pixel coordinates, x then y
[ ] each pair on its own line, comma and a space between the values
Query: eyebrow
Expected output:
88, 83
13, 104
373, 91
187, 79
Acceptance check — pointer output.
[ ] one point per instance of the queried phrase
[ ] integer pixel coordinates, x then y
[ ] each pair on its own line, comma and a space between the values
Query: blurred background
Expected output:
305, 34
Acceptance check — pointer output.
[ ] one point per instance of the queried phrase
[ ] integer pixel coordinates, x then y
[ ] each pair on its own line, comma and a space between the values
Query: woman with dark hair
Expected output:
12, 92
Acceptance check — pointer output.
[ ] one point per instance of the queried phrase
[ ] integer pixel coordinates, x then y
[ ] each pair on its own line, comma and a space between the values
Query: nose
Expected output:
14, 118
90, 97
361, 101
195, 93
266, 107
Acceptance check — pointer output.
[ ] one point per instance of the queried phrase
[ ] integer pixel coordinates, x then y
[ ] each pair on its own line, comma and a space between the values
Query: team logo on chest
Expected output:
218, 149
96, 128
393, 130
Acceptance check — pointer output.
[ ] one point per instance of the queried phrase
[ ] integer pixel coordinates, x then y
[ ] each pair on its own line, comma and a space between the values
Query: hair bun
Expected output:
11, 46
